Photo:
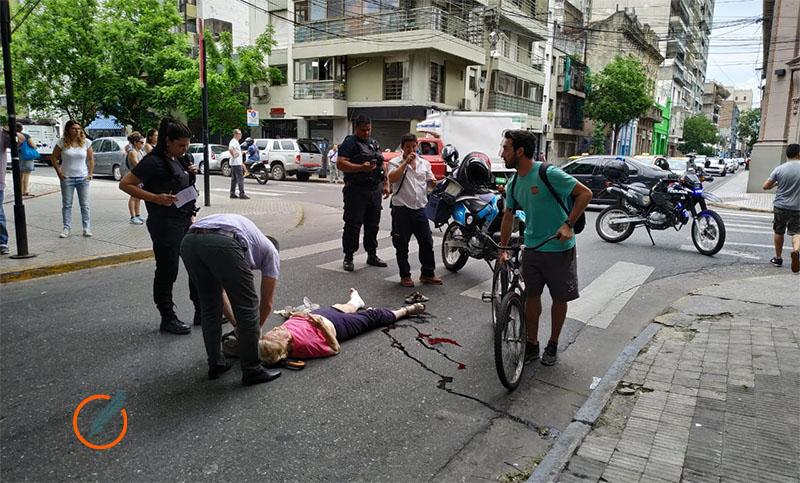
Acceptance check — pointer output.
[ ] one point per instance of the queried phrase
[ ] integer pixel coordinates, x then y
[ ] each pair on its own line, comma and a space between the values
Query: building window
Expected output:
284, 74
318, 69
436, 82
395, 81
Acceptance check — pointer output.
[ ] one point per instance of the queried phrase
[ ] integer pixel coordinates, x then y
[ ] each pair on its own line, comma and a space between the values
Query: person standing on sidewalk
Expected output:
786, 206
75, 172
132, 158
27, 158
161, 174
5, 141
334, 170
411, 176
220, 252
554, 264
151, 138
237, 166
361, 161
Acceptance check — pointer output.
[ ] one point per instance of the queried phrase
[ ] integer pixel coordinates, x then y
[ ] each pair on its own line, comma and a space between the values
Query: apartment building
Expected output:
713, 95
742, 97
683, 27
728, 125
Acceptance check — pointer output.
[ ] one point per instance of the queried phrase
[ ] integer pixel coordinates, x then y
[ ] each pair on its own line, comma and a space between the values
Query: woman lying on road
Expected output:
307, 335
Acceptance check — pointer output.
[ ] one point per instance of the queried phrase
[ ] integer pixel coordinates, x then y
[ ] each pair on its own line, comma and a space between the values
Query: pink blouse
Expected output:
309, 341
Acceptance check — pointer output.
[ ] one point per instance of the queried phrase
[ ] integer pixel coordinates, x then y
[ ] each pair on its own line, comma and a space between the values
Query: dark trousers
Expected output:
407, 222
237, 178
167, 235
215, 262
362, 206
350, 325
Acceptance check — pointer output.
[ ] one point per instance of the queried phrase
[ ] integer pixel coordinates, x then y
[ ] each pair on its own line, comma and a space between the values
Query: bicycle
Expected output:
510, 326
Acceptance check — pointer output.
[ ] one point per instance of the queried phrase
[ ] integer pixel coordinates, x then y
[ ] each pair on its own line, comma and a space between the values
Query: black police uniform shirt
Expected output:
359, 152
162, 174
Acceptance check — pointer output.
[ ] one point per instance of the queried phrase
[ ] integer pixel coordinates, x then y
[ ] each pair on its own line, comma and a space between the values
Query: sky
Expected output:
735, 48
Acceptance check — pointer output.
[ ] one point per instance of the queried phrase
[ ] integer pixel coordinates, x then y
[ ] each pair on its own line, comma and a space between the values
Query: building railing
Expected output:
568, 122
505, 102
424, 18
525, 56
320, 90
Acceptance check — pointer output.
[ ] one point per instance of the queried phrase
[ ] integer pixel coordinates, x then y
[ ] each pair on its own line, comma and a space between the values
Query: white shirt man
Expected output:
237, 166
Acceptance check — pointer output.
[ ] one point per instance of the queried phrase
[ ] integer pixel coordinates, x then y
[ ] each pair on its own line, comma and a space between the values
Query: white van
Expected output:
45, 138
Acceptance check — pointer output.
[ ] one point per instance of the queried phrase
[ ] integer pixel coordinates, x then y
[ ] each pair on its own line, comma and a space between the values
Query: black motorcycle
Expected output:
259, 170
670, 203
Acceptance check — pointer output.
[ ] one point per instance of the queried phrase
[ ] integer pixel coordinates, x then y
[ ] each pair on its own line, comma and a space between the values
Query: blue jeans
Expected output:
81, 185
3, 230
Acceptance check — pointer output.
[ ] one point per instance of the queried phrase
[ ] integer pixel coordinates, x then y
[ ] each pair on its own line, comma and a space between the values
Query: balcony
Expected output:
520, 55
505, 102
320, 98
653, 114
320, 90
567, 123
571, 76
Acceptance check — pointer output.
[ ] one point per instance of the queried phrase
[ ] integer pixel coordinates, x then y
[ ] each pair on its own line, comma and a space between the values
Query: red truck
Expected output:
432, 146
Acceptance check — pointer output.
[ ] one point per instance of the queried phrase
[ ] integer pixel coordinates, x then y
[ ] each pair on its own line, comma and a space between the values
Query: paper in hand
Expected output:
185, 196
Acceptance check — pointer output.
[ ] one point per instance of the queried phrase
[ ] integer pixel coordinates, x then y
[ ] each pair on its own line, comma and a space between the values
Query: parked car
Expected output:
589, 171
731, 165
109, 157
716, 166
196, 150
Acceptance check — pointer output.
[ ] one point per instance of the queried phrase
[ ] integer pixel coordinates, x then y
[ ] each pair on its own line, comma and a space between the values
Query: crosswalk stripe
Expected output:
602, 300
288, 192
751, 225
306, 250
477, 291
736, 214
360, 261
730, 253
786, 242
739, 230
250, 192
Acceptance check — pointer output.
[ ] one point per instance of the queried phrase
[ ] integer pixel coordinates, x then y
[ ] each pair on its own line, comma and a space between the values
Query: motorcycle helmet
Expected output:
616, 171
474, 170
450, 155
248, 141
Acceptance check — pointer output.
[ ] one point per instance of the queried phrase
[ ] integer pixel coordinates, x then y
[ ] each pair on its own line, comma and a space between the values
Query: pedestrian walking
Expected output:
5, 142
411, 178
361, 161
554, 264
333, 154
75, 173
27, 157
162, 174
150, 140
786, 207
132, 158
220, 252
236, 164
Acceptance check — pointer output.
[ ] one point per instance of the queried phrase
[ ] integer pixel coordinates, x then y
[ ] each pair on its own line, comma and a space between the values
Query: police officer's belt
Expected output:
213, 231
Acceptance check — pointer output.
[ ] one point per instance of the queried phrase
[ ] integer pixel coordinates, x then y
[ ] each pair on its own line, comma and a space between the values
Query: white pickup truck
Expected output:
286, 157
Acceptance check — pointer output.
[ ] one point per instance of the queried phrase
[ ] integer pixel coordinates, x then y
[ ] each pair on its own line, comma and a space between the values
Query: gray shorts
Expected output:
557, 270
786, 221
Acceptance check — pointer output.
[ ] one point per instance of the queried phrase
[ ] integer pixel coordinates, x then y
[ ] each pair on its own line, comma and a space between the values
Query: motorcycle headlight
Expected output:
469, 219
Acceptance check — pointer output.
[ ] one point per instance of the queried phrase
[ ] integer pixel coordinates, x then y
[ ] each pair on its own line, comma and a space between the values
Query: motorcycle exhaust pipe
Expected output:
626, 219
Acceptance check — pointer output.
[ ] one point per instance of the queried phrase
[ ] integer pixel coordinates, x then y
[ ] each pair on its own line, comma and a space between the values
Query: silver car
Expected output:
214, 158
109, 157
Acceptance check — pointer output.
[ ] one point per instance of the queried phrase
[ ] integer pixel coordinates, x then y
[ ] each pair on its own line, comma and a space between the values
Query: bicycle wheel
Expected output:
500, 286
510, 335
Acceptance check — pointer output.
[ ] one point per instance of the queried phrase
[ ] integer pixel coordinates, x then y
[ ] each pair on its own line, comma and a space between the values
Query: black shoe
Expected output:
216, 371
174, 325
243, 197
347, 263
778, 262
531, 351
372, 259
550, 354
233, 196
263, 375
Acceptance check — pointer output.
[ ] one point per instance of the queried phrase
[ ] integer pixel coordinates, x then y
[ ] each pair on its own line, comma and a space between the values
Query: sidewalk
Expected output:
115, 240
714, 396
733, 193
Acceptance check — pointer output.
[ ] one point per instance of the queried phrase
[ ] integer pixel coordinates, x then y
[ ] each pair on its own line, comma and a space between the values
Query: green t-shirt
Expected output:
543, 214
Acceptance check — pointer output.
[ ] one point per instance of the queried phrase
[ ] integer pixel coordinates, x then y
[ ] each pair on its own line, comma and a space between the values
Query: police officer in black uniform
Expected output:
165, 171
361, 161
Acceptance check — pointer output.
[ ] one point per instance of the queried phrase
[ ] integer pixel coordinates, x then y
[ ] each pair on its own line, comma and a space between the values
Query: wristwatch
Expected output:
570, 224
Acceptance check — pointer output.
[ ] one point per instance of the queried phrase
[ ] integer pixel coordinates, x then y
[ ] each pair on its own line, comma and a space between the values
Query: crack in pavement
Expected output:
545, 432
695, 294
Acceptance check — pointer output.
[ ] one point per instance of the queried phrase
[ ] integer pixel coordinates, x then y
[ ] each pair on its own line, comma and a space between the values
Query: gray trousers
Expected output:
237, 177
215, 262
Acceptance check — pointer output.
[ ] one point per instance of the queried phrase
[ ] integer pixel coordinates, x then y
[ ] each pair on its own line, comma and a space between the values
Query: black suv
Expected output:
589, 171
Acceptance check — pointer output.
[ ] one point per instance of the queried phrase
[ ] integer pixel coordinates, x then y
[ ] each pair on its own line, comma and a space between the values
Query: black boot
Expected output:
347, 264
172, 324
375, 261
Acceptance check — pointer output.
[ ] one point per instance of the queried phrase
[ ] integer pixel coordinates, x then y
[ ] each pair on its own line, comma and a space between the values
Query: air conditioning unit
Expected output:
465, 104
545, 128
257, 91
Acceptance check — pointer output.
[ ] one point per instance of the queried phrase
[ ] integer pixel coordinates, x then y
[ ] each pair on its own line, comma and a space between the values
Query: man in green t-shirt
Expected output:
554, 263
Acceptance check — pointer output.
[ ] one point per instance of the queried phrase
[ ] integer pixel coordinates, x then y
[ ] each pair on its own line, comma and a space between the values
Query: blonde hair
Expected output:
68, 142
271, 351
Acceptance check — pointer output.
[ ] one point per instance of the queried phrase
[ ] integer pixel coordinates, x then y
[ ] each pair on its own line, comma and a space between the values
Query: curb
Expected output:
74, 265
557, 458
729, 206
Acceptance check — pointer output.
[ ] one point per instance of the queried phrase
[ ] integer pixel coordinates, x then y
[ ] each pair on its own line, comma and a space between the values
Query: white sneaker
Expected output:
135, 220
87, 233
64, 233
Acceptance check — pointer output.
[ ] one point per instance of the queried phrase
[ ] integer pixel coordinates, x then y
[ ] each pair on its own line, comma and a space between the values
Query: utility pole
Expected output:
491, 53
20, 224
204, 96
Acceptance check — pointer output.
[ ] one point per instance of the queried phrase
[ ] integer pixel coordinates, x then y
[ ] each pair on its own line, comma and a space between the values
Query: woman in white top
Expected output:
136, 142
75, 172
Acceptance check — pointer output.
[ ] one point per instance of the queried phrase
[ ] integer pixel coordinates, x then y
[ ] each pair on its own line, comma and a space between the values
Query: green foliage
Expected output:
599, 140
697, 132
749, 127
619, 93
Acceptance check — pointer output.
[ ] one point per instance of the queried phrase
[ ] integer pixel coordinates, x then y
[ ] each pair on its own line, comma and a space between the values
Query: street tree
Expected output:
228, 70
749, 128
618, 94
57, 56
698, 135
